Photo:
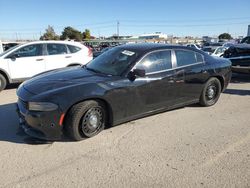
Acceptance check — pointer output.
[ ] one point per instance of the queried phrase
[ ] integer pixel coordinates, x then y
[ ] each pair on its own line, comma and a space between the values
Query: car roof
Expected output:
147, 47
54, 41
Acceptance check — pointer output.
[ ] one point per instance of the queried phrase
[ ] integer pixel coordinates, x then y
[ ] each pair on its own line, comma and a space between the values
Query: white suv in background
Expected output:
26, 60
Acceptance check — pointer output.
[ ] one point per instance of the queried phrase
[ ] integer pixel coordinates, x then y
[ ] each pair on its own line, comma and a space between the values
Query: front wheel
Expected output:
211, 92
85, 119
3, 82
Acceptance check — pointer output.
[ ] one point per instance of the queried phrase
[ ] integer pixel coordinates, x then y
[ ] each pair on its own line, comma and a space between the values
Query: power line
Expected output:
185, 25
187, 20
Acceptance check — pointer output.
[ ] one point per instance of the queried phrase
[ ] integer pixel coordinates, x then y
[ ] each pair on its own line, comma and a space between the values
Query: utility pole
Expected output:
118, 24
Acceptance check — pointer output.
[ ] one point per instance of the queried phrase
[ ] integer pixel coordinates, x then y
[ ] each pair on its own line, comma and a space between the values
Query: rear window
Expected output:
54, 49
73, 49
185, 57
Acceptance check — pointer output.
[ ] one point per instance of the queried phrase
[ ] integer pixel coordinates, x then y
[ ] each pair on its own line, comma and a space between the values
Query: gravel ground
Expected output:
188, 147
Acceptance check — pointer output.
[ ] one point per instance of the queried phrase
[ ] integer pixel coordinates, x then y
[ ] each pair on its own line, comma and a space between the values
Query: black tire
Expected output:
3, 82
85, 120
211, 92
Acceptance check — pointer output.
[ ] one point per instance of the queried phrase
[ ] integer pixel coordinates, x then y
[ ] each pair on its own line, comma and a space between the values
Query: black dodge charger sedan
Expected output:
124, 83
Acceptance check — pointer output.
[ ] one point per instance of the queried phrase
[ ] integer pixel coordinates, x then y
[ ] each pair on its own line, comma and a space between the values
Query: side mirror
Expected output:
13, 57
139, 72
136, 72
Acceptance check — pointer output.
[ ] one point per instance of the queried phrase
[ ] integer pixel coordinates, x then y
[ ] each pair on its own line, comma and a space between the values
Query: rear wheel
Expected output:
3, 82
85, 119
211, 92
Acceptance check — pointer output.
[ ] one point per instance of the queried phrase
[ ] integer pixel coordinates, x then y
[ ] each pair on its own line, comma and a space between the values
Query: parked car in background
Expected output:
208, 50
219, 52
24, 61
239, 55
125, 83
97, 53
210, 47
196, 46
8, 45
1, 47
245, 40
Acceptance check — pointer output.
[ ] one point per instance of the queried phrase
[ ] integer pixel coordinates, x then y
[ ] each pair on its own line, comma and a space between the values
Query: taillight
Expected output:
90, 53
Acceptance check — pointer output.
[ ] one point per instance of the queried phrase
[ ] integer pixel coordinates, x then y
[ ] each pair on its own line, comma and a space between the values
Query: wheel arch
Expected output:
6, 76
107, 105
222, 81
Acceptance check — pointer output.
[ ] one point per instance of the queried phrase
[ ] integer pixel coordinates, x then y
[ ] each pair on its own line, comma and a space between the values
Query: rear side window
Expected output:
185, 57
54, 49
156, 61
73, 49
29, 51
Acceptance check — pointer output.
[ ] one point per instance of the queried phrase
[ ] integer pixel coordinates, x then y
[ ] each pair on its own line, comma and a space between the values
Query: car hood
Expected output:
60, 78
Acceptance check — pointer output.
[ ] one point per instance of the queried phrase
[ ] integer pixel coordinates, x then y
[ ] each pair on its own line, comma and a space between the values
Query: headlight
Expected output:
42, 106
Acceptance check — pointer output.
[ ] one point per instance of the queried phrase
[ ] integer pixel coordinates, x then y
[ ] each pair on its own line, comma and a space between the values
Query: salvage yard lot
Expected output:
187, 147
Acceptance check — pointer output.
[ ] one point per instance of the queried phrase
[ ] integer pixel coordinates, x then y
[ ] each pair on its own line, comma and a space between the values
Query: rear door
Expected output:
190, 65
57, 56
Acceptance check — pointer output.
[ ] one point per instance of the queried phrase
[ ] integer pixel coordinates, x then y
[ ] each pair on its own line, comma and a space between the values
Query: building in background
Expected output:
156, 36
210, 39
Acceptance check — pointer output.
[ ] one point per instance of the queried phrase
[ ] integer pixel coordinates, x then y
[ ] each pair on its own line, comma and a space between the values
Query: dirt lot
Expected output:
187, 147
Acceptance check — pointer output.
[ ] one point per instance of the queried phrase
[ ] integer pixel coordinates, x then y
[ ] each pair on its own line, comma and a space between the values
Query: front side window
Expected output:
156, 61
29, 51
186, 57
55, 49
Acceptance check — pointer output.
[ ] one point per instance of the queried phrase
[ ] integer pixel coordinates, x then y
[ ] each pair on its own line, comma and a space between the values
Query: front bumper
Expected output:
42, 125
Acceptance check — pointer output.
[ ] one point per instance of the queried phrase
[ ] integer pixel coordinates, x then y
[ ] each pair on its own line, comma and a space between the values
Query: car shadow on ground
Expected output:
240, 78
237, 92
10, 131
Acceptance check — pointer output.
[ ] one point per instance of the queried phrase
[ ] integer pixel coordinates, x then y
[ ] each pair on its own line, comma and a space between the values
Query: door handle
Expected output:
40, 59
68, 56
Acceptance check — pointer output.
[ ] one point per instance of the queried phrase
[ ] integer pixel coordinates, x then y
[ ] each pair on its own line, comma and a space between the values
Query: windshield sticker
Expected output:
129, 53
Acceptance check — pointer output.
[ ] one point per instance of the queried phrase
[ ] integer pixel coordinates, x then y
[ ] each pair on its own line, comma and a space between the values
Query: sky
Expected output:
22, 19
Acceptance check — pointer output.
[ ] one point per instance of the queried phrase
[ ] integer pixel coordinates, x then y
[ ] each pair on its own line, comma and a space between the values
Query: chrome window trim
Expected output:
173, 60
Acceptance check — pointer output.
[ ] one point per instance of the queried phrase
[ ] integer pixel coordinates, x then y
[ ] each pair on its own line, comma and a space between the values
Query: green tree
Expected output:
71, 33
86, 34
49, 34
225, 36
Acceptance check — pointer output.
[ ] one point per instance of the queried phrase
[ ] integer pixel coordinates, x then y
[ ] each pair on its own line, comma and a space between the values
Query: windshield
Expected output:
10, 49
112, 62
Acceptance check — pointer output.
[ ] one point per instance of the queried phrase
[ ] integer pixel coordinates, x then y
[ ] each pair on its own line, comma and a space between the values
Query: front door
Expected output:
157, 90
26, 62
